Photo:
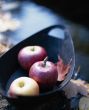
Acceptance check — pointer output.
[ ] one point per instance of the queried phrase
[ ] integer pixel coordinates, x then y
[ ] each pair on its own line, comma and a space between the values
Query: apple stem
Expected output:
45, 60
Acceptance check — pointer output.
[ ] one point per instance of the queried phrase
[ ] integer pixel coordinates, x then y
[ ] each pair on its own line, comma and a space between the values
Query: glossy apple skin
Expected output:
45, 76
23, 86
29, 55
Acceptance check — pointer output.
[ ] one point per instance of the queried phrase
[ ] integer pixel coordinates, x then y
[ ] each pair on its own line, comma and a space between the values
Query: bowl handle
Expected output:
54, 26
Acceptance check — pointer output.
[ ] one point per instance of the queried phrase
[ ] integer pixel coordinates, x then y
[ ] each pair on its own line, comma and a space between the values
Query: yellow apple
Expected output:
24, 86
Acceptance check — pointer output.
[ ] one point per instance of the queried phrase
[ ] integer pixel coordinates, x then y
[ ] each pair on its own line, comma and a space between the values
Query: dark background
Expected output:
75, 10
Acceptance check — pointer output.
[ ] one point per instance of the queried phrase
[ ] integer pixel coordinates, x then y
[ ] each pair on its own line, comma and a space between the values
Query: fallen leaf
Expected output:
3, 48
84, 103
75, 87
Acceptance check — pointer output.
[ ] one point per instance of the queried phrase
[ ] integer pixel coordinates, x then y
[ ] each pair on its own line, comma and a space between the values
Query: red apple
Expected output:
44, 73
31, 54
23, 86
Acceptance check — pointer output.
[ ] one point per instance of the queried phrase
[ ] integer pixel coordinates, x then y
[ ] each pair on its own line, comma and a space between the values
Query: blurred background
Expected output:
21, 18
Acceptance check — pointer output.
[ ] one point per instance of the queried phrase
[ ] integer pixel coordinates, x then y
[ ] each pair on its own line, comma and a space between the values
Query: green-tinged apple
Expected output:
31, 54
44, 73
23, 86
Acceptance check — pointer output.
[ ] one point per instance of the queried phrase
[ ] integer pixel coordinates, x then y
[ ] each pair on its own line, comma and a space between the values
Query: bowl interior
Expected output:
56, 40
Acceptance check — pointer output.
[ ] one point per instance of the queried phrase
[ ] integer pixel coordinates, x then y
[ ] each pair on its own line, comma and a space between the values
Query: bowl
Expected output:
56, 40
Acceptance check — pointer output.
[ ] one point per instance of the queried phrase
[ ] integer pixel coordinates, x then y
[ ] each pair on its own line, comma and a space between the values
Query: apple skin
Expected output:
23, 86
29, 55
46, 76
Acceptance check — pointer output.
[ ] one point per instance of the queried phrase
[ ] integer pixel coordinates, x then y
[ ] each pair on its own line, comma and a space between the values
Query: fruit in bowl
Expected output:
23, 86
44, 73
31, 54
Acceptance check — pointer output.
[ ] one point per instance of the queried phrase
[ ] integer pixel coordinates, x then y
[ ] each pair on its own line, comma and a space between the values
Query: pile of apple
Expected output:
41, 72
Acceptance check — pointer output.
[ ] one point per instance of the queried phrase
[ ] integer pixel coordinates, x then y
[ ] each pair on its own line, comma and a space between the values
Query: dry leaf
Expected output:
8, 23
84, 103
3, 48
62, 69
76, 86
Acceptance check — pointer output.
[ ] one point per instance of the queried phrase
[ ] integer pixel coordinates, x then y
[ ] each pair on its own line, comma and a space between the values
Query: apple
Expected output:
23, 86
44, 73
31, 54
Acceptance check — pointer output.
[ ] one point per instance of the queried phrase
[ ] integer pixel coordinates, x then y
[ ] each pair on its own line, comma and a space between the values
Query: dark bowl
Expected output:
57, 41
